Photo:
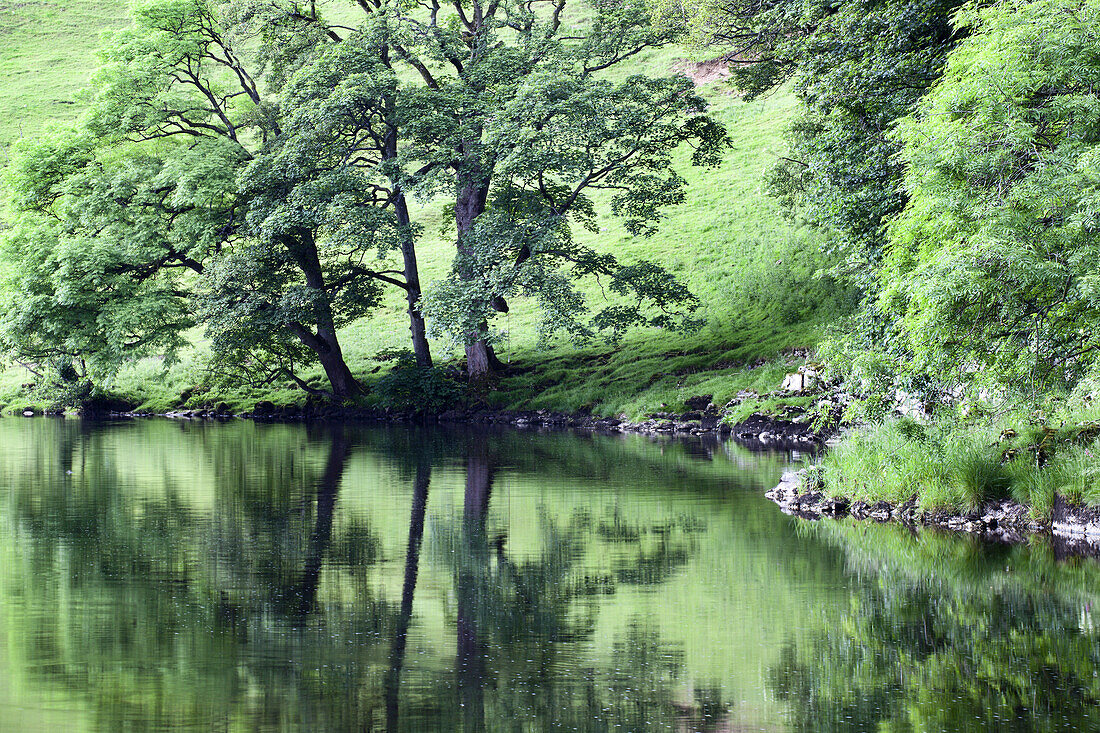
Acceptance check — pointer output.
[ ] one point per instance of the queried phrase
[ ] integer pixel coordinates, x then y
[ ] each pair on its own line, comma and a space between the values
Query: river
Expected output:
172, 575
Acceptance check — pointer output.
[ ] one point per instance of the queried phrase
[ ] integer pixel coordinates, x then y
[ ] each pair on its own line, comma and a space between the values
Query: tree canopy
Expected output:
263, 193
994, 260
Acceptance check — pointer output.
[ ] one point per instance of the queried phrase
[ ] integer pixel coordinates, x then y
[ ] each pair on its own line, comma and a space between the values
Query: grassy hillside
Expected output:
47, 55
753, 271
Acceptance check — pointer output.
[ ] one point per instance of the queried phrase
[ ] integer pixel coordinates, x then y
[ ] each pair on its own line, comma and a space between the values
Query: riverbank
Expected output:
757, 431
1075, 526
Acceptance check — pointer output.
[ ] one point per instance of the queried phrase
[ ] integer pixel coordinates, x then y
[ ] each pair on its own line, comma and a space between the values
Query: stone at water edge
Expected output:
698, 403
264, 407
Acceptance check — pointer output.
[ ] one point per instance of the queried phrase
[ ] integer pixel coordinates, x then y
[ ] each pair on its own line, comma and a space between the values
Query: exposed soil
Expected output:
703, 72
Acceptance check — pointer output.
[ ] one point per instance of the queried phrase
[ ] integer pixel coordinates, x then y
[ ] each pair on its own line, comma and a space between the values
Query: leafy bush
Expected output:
992, 264
409, 387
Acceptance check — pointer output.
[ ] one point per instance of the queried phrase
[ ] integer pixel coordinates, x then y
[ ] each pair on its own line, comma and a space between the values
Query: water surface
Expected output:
159, 575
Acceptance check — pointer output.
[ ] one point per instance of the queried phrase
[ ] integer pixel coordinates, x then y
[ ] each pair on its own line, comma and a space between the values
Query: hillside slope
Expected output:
752, 270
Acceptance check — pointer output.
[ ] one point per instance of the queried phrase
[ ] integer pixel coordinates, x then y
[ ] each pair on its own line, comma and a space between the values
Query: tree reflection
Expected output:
473, 587
408, 590
303, 595
921, 649
520, 621
144, 605
269, 608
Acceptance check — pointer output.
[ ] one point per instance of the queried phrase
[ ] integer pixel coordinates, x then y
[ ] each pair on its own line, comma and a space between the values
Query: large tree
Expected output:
994, 260
183, 164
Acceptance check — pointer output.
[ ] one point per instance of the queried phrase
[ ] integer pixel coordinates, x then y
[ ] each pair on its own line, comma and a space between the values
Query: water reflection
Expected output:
950, 634
165, 576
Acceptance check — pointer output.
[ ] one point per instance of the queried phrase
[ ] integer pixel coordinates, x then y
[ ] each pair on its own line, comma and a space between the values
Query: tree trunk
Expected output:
477, 360
344, 383
473, 192
412, 282
324, 342
408, 248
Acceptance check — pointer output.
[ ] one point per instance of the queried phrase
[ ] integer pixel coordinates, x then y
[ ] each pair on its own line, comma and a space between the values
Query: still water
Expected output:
159, 575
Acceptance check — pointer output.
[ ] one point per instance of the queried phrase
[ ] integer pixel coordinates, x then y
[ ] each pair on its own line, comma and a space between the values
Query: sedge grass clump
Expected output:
1075, 473
885, 461
944, 467
1033, 486
975, 470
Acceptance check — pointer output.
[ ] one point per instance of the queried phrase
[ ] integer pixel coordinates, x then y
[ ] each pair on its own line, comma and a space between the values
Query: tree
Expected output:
993, 261
856, 66
530, 130
183, 164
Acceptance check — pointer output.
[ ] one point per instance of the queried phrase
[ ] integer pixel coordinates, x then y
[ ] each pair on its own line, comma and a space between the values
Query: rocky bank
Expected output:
1076, 528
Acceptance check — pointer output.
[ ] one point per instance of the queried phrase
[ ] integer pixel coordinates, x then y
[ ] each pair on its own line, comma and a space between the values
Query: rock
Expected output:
102, 404
698, 403
264, 408
29, 412
804, 379
792, 382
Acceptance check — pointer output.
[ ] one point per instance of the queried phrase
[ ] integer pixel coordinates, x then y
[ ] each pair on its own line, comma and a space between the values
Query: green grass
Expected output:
753, 271
953, 466
47, 55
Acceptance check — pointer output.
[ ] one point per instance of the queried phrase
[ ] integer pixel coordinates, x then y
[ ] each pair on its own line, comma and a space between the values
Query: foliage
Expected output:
409, 387
993, 262
940, 466
97, 243
275, 176
182, 163
856, 67
726, 225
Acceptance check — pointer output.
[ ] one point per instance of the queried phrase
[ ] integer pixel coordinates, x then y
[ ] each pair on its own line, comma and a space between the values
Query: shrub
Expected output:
409, 387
